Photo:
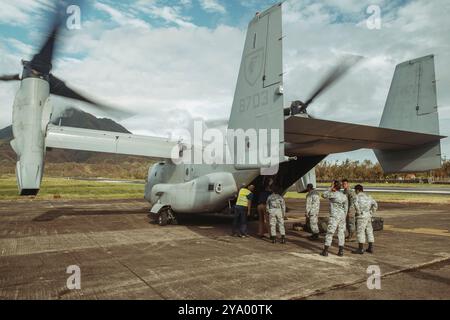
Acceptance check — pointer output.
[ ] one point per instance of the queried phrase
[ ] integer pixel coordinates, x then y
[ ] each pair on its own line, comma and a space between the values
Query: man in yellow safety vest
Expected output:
242, 210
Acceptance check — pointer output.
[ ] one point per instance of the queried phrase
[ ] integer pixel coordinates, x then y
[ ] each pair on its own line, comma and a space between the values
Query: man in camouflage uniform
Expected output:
350, 218
365, 207
276, 207
338, 205
312, 211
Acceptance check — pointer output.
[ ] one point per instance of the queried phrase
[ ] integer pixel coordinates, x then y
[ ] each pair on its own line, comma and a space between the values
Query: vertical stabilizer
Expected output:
258, 101
412, 106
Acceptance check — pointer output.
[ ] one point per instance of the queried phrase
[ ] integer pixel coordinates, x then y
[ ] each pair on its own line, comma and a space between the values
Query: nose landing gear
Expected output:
164, 217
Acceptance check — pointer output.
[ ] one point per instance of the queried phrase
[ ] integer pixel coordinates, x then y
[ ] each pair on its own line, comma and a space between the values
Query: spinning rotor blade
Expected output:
42, 61
333, 76
12, 77
59, 88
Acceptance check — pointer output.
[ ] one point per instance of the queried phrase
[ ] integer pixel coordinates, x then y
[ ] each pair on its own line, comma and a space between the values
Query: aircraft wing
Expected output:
313, 137
110, 142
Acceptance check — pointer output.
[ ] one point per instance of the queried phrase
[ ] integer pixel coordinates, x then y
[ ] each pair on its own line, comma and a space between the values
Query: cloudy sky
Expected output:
171, 61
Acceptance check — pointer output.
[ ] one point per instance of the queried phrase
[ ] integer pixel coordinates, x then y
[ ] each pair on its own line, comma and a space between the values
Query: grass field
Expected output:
70, 189
62, 188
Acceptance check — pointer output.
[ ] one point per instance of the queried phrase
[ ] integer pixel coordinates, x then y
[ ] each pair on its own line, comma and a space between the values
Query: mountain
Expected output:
79, 119
6, 133
76, 118
70, 118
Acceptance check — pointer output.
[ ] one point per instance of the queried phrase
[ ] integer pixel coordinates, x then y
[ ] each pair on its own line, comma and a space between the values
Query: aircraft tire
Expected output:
163, 218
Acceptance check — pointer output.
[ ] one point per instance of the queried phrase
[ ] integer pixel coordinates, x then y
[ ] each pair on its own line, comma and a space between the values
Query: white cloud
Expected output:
23, 50
186, 3
119, 17
212, 6
167, 75
20, 12
166, 13
171, 15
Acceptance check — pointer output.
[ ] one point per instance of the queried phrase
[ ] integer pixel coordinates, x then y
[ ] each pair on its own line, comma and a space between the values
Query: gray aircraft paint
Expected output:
31, 114
110, 142
258, 97
412, 105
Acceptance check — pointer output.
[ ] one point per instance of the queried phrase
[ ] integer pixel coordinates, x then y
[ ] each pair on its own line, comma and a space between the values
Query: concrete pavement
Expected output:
122, 256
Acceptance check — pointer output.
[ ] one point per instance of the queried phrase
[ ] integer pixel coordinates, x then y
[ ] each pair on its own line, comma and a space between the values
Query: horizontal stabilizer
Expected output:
313, 137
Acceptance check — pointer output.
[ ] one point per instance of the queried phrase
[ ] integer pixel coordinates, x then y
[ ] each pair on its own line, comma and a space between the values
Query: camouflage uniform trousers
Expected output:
276, 219
365, 228
336, 222
350, 218
351, 223
314, 222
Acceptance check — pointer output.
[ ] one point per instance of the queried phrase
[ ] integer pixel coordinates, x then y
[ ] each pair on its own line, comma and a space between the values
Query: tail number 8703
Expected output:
254, 102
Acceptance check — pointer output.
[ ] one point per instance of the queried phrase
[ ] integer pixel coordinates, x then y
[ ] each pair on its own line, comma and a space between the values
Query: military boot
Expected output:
273, 239
341, 252
360, 249
370, 249
283, 239
325, 252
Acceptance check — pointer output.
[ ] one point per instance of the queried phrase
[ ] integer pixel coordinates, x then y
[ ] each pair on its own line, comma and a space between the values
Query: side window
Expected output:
211, 187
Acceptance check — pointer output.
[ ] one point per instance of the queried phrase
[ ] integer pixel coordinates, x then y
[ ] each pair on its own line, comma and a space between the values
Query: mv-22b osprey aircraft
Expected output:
407, 140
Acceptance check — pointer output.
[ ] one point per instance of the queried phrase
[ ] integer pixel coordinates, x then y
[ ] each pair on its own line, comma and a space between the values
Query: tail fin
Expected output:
258, 101
412, 106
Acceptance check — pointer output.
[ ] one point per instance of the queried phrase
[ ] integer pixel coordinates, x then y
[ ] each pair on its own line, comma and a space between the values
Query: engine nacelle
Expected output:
31, 115
209, 193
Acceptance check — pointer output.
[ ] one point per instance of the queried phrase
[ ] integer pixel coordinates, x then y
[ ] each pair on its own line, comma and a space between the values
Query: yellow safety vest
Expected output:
242, 198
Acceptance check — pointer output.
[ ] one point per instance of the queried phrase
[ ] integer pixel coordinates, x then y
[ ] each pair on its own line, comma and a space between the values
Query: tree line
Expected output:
369, 171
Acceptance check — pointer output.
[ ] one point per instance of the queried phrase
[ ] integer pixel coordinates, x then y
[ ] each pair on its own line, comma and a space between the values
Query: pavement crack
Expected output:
360, 281
127, 267
142, 279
